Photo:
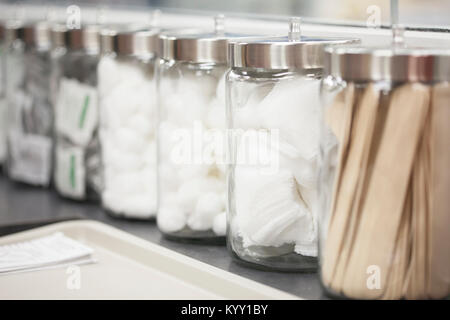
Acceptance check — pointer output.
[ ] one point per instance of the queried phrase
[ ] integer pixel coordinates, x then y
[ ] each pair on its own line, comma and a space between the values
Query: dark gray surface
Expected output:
24, 204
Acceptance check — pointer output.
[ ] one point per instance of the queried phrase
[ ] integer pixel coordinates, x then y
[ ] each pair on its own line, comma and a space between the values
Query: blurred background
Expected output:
413, 13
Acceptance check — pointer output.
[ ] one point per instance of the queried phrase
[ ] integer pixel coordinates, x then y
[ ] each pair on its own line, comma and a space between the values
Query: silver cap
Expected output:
132, 42
87, 38
59, 36
281, 52
14, 30
195, 46
2, 31
37, 35
356, 63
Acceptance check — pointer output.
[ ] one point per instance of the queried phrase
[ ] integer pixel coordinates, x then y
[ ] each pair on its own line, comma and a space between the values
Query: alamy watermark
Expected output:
200, 146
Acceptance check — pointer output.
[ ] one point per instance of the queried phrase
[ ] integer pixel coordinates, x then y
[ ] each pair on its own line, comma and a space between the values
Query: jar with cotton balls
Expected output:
191, 136
30, 114
77, 170
127, 131
273, 103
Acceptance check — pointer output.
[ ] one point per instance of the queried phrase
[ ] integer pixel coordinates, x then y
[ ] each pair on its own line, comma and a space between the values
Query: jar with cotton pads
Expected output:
384, 196
77, 170
273, 102
191, 135
127, 105
30, 114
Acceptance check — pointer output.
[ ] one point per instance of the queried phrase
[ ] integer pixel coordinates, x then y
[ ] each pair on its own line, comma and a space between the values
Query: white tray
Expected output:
128, 268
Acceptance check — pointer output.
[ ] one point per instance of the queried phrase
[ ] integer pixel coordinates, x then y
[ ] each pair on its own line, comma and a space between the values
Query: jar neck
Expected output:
277, 73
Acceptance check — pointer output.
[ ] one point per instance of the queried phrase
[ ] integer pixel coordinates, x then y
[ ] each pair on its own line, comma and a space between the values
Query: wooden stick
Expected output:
439, 236
339, 118
380, 217
353, 183
416, 282
401, 258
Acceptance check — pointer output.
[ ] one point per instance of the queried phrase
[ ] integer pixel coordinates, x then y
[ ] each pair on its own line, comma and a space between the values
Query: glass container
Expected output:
384, 179
77, 172
30, 116
191, 167
127, 104
273, 104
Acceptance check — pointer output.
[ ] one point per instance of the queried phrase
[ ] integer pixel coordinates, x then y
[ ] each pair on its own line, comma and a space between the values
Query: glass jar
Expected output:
77, 172
127, 102
191, 168
273, 102
3, 113
30, 114
384, 181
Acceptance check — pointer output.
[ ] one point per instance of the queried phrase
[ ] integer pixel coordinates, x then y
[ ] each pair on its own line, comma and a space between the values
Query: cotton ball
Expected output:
108, 75
171, 219
112, 201
140, 205
220, 224
150, 154
215, 117
190, 171
142, 125
168, 178
191, 190
208, 206
129, 141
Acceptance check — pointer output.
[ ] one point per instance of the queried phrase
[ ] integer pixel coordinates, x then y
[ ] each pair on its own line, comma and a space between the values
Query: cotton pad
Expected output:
293, 108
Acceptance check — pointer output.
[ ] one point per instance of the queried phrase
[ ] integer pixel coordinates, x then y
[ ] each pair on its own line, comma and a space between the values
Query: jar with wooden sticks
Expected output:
384, 180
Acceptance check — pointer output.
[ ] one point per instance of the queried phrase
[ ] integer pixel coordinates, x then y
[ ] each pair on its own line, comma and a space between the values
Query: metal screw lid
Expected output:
38, 35
138, 42
58, 35
358, 63
194, 45
294, 52
86, 38
13, 30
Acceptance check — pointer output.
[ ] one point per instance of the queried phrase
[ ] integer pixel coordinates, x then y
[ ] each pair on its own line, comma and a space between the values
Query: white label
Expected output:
30, 158
76, 111
52, 250
70, 172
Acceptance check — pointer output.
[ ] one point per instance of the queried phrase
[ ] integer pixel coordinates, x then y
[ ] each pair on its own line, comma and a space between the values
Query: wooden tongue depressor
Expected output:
416, 284
401, 257
346, 213
381, 213
339, 118
439, 235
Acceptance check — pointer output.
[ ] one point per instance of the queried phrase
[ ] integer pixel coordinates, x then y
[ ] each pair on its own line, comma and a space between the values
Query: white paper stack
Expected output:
55, 250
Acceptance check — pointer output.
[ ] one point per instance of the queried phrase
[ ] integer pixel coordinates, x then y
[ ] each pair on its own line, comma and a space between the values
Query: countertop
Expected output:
21, 204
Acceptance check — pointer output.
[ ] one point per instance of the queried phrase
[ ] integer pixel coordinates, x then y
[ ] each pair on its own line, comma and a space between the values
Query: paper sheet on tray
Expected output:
51, 251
